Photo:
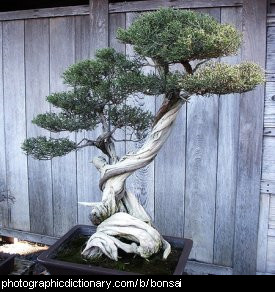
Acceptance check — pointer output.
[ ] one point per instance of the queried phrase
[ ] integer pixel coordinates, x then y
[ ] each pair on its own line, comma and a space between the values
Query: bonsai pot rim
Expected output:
58, 267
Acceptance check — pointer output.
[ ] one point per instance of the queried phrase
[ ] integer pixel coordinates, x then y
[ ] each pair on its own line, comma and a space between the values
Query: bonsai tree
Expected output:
98, 95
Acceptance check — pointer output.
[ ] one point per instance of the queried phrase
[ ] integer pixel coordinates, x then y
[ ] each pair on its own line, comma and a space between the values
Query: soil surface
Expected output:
155, 265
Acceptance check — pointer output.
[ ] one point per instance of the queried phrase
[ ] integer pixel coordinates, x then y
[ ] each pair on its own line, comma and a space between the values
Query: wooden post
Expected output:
99, 16
250, 144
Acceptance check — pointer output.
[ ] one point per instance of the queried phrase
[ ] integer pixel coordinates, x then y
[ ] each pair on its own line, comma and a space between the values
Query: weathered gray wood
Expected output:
270, 57
262, 234
33, 237
62, 54
85, 186
271, 223
138, 6
37, 87
271, 19
117, 20
227, 159
99, 15
141, 183
268, 186
201, 167
170, 178
270, 76
45, 12
197, 268
268, 166
88, 176
269, 114
269, 132
3, 185
15, 125
270, 264
250, 144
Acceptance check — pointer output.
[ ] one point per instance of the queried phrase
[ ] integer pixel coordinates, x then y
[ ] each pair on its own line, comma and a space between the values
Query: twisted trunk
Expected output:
119, 215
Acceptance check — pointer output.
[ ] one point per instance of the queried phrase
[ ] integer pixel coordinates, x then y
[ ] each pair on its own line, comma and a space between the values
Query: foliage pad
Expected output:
175, 36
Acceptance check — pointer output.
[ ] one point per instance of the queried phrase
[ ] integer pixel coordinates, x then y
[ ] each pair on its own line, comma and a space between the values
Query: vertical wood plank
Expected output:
262, 234
170, 180
117, 20
62, 54
88, 176
250, 144
37, 88
201, 171
141, 183
86, 188
99, 22
15, 122
3, 184
227, 159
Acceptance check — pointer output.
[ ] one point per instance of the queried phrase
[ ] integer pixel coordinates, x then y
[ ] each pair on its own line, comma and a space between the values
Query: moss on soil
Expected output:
155, 265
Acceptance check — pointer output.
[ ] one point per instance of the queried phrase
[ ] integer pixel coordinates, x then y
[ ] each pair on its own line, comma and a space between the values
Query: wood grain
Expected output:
270, 258
262, 234
15, 126
88, 176
270, 57
138, 6
117, 20
201, 171
141, 183
269, 112
87, 188
227, 159
250, 144
3, 185
44, 12
62, 54
37, 88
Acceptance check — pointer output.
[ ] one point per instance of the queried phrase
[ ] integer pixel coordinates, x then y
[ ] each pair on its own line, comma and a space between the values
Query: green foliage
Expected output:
174, 36
130, 117
46, 148
65, 122
109, 78
221, 78
99, 89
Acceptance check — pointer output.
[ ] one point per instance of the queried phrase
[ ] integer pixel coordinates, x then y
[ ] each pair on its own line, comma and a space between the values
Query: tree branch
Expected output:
198, 65
187, 67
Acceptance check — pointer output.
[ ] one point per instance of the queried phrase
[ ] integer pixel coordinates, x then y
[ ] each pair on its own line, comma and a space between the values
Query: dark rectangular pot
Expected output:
57, 267
6, 266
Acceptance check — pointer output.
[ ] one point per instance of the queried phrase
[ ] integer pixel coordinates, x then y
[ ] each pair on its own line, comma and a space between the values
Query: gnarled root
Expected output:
110, 234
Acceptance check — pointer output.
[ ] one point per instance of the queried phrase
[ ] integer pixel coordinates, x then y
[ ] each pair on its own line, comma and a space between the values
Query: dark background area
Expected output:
8, 5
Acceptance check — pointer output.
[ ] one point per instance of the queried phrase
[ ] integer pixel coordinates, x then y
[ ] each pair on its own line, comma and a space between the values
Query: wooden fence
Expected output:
209, 191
